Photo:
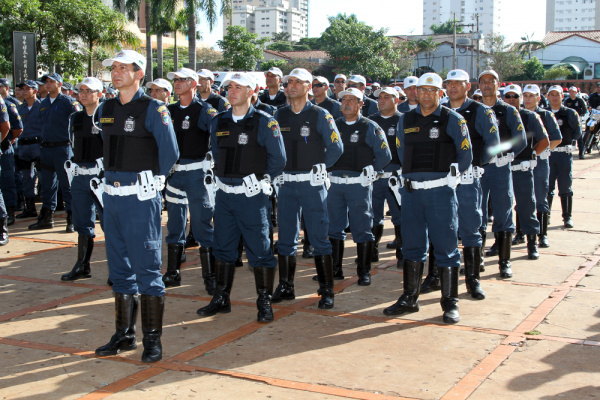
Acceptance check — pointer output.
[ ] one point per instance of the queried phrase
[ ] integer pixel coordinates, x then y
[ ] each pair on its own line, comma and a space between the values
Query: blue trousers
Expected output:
525, 202
301, 197
541, 177
430, 215
82, 204
201, 212
496, 183
561, 170
29, 153
52, 163
381, 194
235, 215
350, 201
7, 178
133, 244
3, 213
469, 213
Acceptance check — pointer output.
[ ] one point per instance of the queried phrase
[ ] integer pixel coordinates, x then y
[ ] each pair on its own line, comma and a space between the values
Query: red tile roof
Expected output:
553, 37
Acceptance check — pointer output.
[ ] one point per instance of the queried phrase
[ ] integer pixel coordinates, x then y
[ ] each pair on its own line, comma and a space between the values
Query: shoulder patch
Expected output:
211, 111
384, 145
161, 108
3, 110
328, 116
271, 123
77, 105
275, 129
381, 134
398, 145
520, 127
464, 130
516, 112
489, 111
165, 117
462, 122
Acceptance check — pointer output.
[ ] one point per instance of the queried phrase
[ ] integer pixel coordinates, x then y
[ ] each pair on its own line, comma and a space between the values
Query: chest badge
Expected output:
129, 125
354, 137
305, 131
186, 123
560, 122
95, 130
434, 133
391, 131
243, 139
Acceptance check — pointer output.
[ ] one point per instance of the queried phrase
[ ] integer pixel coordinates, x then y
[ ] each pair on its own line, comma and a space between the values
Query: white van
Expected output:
221, 76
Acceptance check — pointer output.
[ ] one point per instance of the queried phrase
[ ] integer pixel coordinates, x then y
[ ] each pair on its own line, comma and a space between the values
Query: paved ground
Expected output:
536, 336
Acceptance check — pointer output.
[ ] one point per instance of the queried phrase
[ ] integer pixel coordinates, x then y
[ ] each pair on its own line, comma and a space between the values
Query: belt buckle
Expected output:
346, 176
116, 184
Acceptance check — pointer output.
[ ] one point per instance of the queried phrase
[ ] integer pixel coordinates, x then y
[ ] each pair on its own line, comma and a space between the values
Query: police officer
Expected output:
29, 145
320, 85
56, 149
87, 149
522, 173
42, 90
139, 147
561, 159
541, 173
160, 89
339, 85
247, 149
429, 204
7, 180
4, 129
366, 153
375, 86
412, 100
312, 144
359, 82
205, 93
67, 89
594, 99
191, 122
578, 104
273, 95
110, 93
496, 181
387, 118
256, 103
483, 132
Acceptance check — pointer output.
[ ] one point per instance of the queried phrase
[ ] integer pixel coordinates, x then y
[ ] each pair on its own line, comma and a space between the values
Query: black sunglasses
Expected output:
402, 98
511, 96
285, 84
320, 84
477, 98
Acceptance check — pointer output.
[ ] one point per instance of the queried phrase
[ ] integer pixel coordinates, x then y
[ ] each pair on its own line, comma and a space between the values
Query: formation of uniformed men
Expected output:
332, 162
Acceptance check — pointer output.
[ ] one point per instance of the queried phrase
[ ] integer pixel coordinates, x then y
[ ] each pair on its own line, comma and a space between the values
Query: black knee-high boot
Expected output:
126, 306
449, 300
287, 270
85, 245
377, 231
504, 243
324, 265
172, 276
363, 268
471, 257
409, 300
264, 278
220, 302
207, 260
153, 308
432, 280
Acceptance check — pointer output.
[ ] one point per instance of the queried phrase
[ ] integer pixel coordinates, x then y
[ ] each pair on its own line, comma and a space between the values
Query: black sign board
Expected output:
24, 57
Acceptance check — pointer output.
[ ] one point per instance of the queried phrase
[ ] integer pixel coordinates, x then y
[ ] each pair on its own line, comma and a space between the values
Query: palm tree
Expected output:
427, 46
131, 7
527, 44
209, 9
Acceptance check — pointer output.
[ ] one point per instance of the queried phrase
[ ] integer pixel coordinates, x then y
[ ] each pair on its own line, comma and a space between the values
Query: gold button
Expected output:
116, 184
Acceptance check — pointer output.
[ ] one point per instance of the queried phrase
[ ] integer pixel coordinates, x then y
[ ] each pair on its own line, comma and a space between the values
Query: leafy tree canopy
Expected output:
241, 49
445, 28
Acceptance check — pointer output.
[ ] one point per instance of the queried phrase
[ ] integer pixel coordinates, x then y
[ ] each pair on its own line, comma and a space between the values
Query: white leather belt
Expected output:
445, 181
175, 200
121, 190
345, 181
545, 154
564, 149
193, 166
385, 175
175, 190
85, 171
295, 177
524, 166
501, 161
472, 173
230, 189
262, 186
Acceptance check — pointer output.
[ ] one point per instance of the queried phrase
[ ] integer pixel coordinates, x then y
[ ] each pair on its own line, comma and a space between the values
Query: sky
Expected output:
404, 17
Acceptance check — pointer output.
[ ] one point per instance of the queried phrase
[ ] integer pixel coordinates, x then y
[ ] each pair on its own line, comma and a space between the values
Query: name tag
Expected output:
411, 130
223, 133
107, 120
284, 129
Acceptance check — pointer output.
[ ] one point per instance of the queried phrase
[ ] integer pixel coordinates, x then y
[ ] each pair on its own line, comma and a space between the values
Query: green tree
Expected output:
445, 28
241, 49
533, 70
280, 37
560, 72
527, 45
405, 59
505, 61
209, 58
131, 8
280, 46
354, 47
266, 65
427, 46
311, 43
98, 25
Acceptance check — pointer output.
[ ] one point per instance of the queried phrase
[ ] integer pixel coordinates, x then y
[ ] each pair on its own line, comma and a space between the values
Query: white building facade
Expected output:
266, 17
572, 15
439, 11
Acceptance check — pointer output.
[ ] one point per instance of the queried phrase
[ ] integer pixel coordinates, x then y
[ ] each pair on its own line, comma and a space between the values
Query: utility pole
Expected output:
454, 41
478, 39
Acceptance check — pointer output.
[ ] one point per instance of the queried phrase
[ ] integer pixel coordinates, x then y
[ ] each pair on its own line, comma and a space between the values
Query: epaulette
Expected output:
261, 112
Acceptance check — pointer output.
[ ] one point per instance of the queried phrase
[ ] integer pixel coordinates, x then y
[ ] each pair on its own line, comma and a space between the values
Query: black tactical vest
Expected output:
128, 145
389, 126
470, 114
327, 104
87, 146
357, 153
501, 110
304, 145
528, 150
191, 140
239, 152
562, 117
427, 147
